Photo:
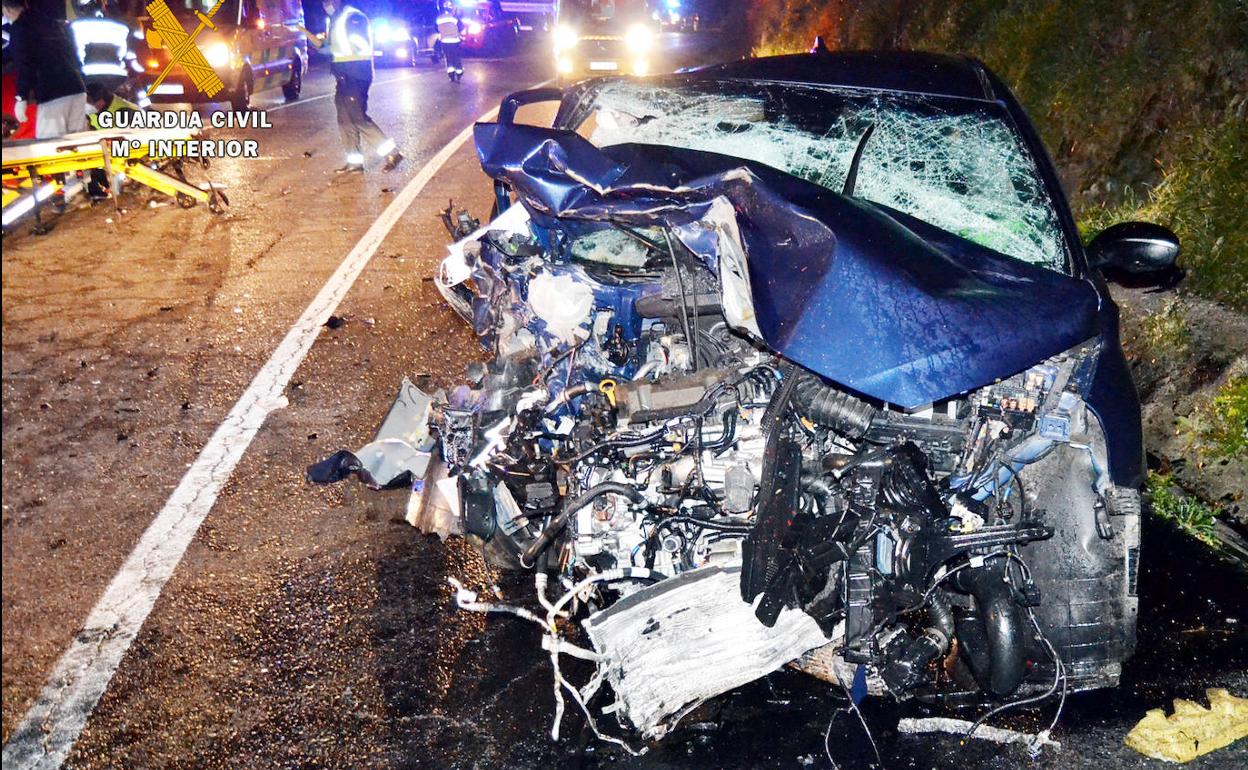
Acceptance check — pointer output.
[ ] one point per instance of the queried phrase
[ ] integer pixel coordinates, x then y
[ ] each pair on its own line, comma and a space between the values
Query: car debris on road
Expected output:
1191, 730
1035, 744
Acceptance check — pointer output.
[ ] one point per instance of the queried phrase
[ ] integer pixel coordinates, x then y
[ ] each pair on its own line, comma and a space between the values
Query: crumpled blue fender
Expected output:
868, 297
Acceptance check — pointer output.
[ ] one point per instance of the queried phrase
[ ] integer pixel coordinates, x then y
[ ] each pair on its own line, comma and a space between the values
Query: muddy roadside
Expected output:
1189, 359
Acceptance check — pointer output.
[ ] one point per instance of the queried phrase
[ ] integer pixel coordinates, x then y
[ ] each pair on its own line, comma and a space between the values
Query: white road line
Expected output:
49, 730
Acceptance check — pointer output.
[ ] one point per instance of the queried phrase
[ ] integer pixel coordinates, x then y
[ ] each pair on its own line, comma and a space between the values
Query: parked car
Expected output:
395, 43
487, 29
253, 47
592, 37
794, 360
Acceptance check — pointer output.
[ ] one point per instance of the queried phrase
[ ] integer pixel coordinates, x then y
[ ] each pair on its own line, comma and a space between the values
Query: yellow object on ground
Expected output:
1191, 730
26, 162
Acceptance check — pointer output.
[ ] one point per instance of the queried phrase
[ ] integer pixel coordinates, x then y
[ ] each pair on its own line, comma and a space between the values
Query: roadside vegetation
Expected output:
1187, 512
1219, 428
1143, 103
1144, 106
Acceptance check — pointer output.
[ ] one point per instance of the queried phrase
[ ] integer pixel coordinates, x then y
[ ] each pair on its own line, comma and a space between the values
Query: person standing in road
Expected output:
48, 72
450, 28
103, 45
350, 42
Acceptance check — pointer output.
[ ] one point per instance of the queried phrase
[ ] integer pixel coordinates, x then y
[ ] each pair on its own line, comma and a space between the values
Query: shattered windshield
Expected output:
954, 163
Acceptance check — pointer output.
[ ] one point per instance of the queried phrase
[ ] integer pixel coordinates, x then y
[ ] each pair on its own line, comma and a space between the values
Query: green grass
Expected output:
1203, 197
1164, 335
1219, 428
1189, 513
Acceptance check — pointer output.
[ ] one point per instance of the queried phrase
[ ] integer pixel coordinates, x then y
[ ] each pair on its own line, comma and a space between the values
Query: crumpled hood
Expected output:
870, 298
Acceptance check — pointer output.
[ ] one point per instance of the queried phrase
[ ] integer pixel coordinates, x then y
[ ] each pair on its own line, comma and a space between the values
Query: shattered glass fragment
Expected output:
952, 163
610, 247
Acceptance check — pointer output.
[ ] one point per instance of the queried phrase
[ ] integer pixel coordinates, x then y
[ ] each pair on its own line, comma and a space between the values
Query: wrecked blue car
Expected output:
792, 361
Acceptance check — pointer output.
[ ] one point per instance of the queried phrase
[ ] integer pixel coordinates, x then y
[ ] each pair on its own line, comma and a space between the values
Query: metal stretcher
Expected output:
34, 168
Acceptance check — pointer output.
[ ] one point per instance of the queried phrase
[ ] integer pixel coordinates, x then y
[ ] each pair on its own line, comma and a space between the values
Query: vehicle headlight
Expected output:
217, 55
638, 39
474, 28
565, 37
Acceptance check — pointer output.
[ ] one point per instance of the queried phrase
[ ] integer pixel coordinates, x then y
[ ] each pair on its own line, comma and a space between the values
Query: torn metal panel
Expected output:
870, 298
669, 647
433, 507
400, 452
961, 727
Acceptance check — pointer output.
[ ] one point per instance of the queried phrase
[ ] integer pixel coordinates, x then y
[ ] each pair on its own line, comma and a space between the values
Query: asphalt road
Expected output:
309, 626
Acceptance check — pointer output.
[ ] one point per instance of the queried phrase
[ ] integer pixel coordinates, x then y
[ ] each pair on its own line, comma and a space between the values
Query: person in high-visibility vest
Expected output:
350, 42
450, 28
103, 44
101, 99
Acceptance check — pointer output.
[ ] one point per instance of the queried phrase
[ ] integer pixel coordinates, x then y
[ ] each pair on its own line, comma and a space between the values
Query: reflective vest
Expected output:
103, 46
116, 105
448, 28
347, 44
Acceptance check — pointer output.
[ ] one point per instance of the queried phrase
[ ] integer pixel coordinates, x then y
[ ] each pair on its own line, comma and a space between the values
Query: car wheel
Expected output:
294, 86
240, 100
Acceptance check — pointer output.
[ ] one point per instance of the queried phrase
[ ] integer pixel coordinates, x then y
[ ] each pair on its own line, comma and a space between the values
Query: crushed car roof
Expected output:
912, 71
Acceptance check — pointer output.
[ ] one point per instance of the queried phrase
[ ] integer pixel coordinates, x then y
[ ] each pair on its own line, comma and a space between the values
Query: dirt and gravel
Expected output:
312, 627
1183, 350
128, 337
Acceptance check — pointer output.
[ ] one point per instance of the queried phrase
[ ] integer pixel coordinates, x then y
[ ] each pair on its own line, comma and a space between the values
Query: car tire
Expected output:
240, 100
293, 87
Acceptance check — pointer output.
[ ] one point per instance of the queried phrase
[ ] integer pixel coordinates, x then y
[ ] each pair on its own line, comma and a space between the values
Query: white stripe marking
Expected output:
48, 731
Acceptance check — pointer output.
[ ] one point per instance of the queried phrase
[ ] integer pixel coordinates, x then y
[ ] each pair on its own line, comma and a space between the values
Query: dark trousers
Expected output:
358, 129
454, 60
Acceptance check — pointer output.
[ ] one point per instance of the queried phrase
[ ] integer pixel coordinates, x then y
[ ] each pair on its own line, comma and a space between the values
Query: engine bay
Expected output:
633, 440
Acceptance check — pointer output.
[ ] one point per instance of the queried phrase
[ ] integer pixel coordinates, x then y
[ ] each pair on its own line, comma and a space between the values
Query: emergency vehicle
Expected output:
252, 46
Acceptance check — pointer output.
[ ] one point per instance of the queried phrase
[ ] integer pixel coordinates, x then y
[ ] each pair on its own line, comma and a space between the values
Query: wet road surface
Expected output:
311, 627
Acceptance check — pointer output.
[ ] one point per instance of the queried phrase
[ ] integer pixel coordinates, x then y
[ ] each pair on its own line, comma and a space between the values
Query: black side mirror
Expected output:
1134, 247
